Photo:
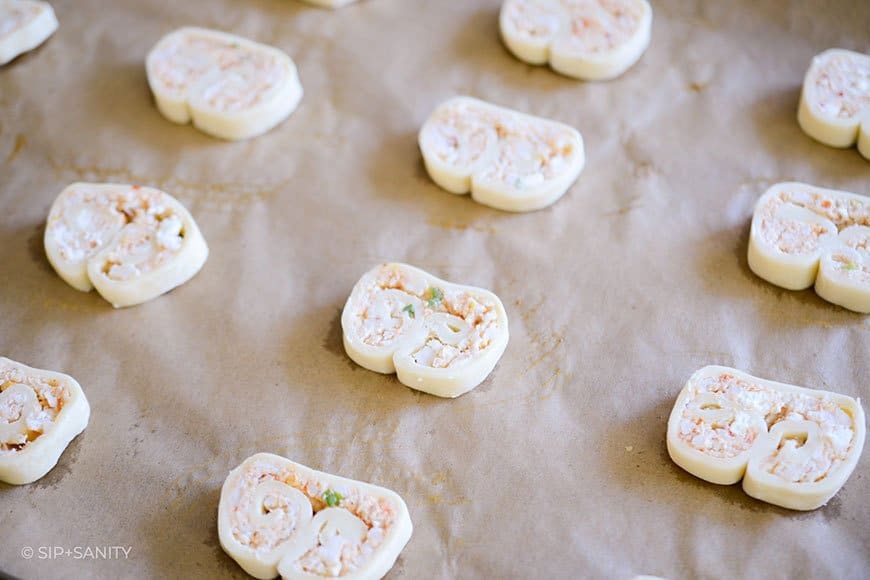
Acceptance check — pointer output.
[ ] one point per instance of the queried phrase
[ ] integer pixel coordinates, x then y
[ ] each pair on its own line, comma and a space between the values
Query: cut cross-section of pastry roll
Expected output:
131, 243
438, 337
844, 270
796, 226
276, 516
24, 25
793, 447
586, 39
40, 413
835, 101
228, 86
505, 159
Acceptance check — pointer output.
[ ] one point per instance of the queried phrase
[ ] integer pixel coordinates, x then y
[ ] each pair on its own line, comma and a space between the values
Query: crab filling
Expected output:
739, 405
29, 406
355, 525
588, 26
460, 325
457, 140
529, 156
13, 18
842, 86
230, 76
851, 260
852, 268
538, 19
85, 222
796, 237
526, 154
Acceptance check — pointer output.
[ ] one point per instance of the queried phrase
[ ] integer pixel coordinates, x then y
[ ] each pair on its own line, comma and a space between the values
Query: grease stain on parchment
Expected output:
52, 303
547, 351
854, 324
633, 204
455, 225
438, 488
221, 196
20, 142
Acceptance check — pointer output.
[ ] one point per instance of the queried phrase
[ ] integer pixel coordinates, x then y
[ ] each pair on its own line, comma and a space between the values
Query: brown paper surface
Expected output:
555, 467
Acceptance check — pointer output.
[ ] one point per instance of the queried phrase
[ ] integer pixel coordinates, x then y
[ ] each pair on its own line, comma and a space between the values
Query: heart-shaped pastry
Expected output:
276, 516
40, 413
506, 159
835, 101
793, 447
230, 87
24, 25
796, 226
131, 243
586, 39
438, 337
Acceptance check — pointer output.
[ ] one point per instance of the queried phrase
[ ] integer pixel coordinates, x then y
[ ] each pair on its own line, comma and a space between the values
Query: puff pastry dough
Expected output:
24, 25
131, 243
507, 160
586, 39
835, 101
438, 337
276, 516
228, 86
796, 227
40, 413
793, 447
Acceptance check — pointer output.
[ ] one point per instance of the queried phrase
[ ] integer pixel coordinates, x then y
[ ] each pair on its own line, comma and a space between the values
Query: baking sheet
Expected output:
555, 466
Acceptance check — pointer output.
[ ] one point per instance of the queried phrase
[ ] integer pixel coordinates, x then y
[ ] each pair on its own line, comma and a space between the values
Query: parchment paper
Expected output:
556, 466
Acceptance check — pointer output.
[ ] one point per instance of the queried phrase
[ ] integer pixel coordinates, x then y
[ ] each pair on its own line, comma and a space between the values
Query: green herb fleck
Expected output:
435, 296
332, 498
850, 267
409, 309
